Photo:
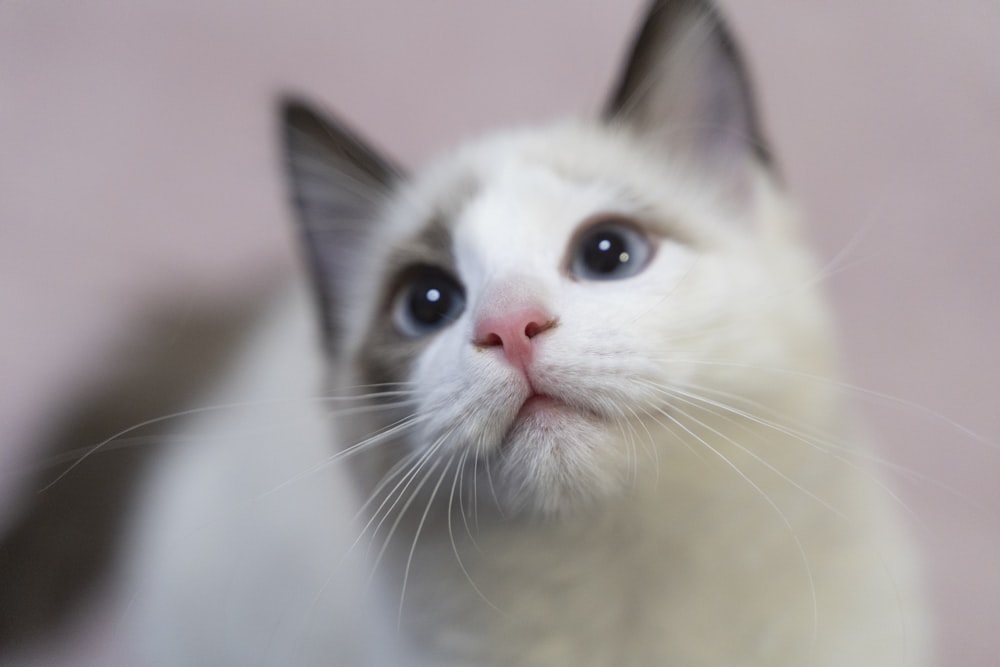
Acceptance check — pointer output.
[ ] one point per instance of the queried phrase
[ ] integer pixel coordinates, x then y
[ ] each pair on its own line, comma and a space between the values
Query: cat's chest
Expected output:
541, 594
648, 583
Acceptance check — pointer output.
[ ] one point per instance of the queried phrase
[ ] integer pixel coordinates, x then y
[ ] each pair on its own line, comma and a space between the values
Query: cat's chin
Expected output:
558, 459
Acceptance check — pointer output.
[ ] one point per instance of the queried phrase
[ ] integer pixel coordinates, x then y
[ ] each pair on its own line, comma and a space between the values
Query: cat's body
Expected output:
570, 457
693, 566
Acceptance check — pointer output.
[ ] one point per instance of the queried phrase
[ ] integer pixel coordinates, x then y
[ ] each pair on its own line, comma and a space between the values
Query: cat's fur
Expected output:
689, 492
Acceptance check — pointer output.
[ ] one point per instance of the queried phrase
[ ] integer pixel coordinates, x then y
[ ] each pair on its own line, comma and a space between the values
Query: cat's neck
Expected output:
486, 569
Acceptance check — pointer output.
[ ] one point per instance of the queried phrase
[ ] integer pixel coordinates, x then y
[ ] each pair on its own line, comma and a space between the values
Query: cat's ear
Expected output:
686, 87
338, 184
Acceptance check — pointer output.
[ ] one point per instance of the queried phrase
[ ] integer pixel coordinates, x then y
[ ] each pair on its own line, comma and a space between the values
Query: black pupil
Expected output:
430, 300
604, 251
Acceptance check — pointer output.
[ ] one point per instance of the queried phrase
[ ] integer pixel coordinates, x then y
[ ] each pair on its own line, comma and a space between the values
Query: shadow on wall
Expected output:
62, 541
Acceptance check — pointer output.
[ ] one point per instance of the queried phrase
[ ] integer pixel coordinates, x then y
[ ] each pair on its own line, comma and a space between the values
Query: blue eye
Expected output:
610, 250
428, 300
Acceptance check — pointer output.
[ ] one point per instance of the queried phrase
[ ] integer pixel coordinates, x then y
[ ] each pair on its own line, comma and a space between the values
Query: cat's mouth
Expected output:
547, 416
541, 408
538, 403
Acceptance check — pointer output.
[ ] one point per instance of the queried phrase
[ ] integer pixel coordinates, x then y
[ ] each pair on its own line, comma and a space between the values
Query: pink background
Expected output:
137, 161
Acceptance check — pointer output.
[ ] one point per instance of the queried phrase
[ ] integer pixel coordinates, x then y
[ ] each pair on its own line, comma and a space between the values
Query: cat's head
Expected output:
551, 298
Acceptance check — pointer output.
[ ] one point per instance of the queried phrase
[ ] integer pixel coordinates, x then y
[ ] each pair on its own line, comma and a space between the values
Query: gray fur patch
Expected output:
387, 355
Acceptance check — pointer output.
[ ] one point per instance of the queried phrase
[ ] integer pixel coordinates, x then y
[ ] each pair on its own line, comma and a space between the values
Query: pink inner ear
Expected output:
513, 331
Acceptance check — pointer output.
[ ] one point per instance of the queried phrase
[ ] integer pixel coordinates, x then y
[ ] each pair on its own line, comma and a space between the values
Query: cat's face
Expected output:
545, 294
547, 298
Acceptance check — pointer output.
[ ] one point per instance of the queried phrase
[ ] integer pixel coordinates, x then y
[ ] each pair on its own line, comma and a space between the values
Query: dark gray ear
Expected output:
338, 184
685, 83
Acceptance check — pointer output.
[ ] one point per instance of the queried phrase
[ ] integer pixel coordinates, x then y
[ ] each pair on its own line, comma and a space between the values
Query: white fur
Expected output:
669, 535
241, 548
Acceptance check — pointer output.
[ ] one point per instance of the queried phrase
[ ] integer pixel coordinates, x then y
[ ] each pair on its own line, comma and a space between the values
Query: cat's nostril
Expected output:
532, 329
513, 331
490, 340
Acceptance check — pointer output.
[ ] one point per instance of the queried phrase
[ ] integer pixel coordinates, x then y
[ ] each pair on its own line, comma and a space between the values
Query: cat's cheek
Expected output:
467, 406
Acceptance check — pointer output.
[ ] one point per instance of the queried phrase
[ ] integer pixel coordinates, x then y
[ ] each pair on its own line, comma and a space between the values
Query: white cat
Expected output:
579, 410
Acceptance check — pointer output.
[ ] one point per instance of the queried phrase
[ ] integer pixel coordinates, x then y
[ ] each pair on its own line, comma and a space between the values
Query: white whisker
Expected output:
767, 498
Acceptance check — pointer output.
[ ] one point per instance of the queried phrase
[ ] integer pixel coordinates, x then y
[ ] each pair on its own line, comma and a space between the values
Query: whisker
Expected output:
756, 487
402, 512
650, 441
190, 412
462, 510
830, 447
756, 457
400, 515
416, 538
855, 389
396, 492
383, 434
493, 489
451, 532
475, 481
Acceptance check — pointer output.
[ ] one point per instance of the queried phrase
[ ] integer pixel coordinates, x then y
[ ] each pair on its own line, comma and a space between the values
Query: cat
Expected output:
579, 409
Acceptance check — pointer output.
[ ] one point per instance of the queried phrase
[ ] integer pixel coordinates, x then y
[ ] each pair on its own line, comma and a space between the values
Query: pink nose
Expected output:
512, 332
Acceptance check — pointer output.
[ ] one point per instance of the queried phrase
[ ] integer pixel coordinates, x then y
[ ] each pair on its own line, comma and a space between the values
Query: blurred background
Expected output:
139, 166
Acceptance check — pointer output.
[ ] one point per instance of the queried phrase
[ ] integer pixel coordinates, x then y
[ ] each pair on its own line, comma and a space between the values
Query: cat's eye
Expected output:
427, 300
611, 249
